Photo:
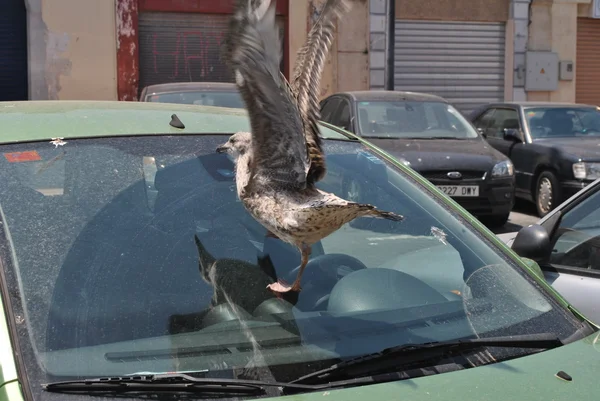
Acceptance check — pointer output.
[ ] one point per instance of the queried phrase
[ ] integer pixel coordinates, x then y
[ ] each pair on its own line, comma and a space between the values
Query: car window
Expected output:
344, 116
501, 120
328, 109
485, 119
577, 239
563, 121
204, 98
134, 254
412, 119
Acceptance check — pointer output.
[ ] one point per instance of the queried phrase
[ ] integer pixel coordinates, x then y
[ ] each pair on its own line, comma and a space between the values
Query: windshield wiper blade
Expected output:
171, 382
407, 354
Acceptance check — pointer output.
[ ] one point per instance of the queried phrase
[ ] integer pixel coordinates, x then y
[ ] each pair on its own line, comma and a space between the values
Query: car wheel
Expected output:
496, 221
547, 193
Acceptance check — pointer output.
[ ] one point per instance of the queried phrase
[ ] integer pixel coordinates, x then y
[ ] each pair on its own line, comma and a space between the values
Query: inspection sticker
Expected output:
20, 157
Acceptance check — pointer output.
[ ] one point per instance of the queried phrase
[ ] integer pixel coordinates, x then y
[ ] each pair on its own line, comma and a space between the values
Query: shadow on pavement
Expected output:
523, 214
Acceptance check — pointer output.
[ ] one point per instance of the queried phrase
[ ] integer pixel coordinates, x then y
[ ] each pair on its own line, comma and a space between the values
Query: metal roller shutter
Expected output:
13, 51
587, 65
183, 47
460, 61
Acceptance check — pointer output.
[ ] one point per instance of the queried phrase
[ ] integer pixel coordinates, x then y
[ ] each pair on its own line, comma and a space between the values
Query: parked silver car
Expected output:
566, 245
220, 94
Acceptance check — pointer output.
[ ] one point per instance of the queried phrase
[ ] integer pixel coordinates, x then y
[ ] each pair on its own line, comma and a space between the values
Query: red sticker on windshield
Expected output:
20, 157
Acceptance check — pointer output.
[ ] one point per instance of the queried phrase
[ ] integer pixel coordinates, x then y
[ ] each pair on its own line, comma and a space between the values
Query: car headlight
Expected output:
503, 169
586, 171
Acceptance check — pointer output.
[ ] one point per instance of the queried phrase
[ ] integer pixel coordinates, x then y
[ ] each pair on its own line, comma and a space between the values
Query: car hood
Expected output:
584, 148
442, 154
528, 378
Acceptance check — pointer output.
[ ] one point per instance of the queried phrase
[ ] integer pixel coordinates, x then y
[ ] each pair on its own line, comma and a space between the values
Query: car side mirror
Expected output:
513, 134
481, 132
532, 242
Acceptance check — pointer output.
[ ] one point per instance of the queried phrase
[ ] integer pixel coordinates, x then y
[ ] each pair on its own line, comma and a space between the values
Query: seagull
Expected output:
279, 163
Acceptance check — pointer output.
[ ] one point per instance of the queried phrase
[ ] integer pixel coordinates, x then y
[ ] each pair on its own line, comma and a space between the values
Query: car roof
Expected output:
383, 95
42, 120
190, 86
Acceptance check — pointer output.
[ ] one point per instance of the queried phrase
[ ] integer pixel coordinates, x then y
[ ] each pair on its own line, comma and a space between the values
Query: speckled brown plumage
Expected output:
278, 164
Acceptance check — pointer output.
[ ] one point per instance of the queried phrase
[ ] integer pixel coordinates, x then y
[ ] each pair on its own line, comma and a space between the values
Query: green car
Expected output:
130, 269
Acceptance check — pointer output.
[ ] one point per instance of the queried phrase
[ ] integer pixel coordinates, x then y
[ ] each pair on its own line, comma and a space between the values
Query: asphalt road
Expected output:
523, 214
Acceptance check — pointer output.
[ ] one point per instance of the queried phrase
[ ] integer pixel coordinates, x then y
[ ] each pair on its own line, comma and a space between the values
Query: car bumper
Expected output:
496, 196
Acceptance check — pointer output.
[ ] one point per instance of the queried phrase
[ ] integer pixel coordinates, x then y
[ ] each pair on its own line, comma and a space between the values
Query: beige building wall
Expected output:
347, 66
72, 49
81, 52
453, 10
554, 28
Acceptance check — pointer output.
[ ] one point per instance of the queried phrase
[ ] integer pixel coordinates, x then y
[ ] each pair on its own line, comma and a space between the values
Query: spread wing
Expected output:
252, 50
306, 81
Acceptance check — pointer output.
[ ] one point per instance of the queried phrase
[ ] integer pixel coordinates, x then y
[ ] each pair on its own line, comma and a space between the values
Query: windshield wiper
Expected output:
169, 382
408, 354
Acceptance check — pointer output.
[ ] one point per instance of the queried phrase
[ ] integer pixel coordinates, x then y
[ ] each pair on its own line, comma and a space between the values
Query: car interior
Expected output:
117, 259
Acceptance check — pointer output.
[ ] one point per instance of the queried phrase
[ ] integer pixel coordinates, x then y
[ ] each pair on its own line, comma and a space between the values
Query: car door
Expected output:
493, 123
573, 267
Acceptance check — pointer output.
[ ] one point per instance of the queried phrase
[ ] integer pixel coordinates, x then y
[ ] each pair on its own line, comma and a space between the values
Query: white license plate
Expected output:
460, 190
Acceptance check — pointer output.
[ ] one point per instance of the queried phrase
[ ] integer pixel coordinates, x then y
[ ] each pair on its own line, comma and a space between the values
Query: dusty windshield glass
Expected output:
203, 98
563, 121
406, 119
135, 255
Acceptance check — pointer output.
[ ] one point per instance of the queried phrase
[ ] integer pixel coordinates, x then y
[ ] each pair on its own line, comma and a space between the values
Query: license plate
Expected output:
460, 190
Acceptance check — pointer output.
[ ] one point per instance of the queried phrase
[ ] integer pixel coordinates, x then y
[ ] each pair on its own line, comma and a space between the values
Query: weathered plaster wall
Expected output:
72, 49
519, 23
453, 10
347, 65
554, 28
377, 55
36, 50
353, 49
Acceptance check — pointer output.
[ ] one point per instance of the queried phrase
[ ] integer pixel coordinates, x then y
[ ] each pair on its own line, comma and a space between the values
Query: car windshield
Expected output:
563, 121
406, 119
132, 254
204, 98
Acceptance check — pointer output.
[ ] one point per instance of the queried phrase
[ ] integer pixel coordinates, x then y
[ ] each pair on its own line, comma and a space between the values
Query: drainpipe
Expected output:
390, 44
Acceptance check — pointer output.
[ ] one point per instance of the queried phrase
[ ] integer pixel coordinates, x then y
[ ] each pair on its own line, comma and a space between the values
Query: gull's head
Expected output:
237, 145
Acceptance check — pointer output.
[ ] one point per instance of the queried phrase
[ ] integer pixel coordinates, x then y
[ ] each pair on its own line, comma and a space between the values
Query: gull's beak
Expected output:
223, 148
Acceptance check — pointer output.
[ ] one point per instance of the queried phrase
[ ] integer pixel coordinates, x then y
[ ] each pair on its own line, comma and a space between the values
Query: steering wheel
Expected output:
320, 276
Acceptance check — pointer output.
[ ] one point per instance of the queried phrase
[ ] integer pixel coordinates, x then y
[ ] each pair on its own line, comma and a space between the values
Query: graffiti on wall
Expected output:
170, 52
186, 55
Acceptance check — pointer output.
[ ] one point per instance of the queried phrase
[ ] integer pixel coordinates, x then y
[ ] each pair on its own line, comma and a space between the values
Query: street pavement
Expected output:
523, 214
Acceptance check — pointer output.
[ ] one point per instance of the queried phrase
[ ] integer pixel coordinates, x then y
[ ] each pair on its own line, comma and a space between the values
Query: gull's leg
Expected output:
305, 255
282, 286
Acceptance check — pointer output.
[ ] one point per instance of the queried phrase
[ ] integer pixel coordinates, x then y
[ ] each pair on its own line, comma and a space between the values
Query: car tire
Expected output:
547, 193
496, 221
